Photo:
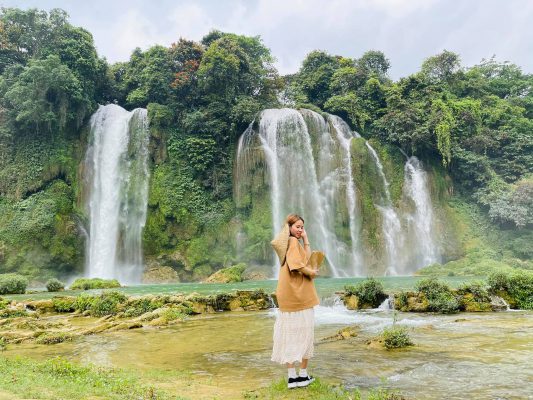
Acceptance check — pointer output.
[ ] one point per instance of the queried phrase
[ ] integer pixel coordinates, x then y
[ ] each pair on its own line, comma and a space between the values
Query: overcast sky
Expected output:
407, 31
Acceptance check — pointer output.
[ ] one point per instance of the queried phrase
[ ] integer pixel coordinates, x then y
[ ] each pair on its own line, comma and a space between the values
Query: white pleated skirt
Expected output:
294, 336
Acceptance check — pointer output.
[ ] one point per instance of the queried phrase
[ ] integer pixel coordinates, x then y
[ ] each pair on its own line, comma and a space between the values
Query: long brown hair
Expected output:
292, 219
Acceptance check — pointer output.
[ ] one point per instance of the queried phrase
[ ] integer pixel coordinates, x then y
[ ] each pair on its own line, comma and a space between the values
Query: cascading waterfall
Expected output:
117, 174
306, 175
391, 226
420, 222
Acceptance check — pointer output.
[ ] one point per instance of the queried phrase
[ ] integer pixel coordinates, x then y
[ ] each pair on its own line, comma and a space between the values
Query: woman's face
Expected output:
297, 228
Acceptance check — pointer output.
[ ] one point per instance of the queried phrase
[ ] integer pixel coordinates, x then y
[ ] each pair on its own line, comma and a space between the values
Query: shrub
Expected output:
440, 297
94, 283
84, 302
172, 314
3, 344
3, 303
107, 303
517, 285
10, 313
54, 285
370, 292
396, 337
12, 284
64, 304
141, 306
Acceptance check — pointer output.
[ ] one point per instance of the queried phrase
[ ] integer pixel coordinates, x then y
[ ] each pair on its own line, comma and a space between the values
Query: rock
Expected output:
470, 304
342, 334
42, 306
228, 275
160, 274
351, 302
411, 302
498, 304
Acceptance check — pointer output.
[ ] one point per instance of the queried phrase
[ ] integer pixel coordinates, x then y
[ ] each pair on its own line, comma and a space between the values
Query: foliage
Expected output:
58, 378
137, 307
229, 274
396, 337
54, 285
516, 287
94, 283
439, 295
370, 291
107, 303
12, 284
64, 304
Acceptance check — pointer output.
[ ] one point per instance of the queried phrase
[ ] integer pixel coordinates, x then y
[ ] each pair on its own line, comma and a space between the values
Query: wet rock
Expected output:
469, 303
41, 306
351, 302
498, 304
342, 334
411, 302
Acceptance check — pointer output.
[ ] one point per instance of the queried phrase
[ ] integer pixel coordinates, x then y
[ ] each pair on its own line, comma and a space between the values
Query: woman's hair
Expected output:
293, 218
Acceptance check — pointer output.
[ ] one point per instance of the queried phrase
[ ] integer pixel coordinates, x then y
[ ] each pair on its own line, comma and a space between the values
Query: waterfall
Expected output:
116, 182
391, 225
420, 222
305, 156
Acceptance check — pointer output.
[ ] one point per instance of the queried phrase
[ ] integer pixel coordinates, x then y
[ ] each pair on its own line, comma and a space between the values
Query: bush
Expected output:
141, 306
94, 283
369, 292
64, 304
477, 289
107, 303
517, 285
10, 313
440, 297
84, 302
12, 284
54, 285
3, 303
396, 337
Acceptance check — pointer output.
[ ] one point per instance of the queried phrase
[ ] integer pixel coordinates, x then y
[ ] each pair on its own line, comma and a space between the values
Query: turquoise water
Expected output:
325, 287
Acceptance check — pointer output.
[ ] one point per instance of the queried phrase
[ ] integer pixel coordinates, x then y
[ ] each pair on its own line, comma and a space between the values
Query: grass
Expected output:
58, 378
318, 390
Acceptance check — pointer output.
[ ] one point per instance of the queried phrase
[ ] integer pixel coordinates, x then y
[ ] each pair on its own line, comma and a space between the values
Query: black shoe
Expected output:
293, 383
303, 381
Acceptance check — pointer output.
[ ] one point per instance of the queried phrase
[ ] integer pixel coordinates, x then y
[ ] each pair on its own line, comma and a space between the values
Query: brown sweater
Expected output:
295, 291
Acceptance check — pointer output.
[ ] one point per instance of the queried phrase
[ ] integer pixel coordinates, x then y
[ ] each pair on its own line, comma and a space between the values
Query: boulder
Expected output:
160, 274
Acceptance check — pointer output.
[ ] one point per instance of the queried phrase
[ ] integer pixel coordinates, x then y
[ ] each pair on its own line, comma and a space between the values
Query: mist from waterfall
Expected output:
116, 184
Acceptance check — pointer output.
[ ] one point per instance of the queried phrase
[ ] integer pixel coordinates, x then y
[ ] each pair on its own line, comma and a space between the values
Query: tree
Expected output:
442, 67
45, 95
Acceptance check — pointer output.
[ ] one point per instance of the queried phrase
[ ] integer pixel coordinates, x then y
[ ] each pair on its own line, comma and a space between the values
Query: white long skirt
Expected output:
294, 335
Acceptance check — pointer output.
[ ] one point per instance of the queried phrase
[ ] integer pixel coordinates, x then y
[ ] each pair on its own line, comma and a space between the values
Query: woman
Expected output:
296, 296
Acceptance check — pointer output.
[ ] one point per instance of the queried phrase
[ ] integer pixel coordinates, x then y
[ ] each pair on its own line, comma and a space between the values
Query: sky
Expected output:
407, 31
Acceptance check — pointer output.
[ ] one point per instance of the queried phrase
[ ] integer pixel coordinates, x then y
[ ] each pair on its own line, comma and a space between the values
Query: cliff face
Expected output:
195, 232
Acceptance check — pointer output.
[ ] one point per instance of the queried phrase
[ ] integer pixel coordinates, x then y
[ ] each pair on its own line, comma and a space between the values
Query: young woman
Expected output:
296, 296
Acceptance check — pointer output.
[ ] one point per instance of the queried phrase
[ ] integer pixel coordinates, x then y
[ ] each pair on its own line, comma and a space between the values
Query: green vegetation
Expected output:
396, 337
54, 285
439, 296
471, 127
94, 283
369, 293
12, 284
54, 338
516, 288
228, 275
58, 378
319, 390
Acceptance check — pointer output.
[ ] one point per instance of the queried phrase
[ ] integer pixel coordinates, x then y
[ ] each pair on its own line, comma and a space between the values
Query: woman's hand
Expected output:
304, 236
309, 272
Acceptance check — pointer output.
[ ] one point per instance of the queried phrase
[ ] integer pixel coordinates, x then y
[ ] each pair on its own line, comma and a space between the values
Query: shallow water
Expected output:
325, 287
467, 355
